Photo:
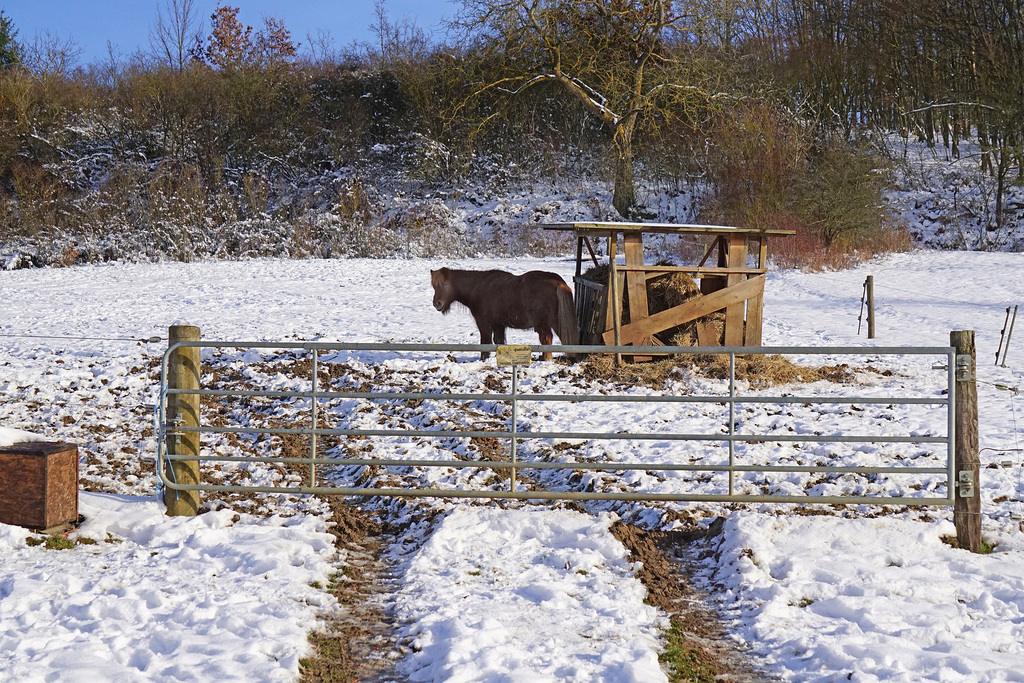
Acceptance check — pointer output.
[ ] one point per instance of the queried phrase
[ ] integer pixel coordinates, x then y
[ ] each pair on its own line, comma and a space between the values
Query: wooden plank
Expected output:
636, 283
755, 319
604, 227
734, 324
737, 258
735, 314
615, 295
711, 248
706, 334
712, 284
590, 248
655, 271
610, 313
691, 310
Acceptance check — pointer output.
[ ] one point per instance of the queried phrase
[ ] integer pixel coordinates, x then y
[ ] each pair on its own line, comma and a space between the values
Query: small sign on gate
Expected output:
514, 355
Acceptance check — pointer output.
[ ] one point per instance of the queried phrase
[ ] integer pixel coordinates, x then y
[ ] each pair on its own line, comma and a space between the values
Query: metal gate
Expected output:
728, 440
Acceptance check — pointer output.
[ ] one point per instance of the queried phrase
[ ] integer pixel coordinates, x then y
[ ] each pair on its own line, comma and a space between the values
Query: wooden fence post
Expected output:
183, 372
967, 497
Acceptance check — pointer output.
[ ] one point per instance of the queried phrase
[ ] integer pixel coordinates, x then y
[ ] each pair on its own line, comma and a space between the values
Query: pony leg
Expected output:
485, 338
545, 340
499, 335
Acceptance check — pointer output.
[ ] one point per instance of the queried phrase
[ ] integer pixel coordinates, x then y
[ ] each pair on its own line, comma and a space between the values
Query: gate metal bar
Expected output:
168, 428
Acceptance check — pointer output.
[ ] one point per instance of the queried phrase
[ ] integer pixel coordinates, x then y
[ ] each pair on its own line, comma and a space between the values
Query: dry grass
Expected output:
758, 371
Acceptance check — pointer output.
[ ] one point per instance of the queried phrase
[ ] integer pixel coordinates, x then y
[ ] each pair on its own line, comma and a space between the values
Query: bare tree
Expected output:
623, 60
401, 41
321, 49
50, 57
178, 26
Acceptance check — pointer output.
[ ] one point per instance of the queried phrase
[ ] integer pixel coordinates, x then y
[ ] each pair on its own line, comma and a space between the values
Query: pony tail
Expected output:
568, 328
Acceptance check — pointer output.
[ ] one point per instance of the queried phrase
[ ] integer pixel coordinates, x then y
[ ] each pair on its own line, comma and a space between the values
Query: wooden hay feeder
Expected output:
39, 484
731, 289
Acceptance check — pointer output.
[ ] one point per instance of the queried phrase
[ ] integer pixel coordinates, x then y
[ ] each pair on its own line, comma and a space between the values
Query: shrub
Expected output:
767, 171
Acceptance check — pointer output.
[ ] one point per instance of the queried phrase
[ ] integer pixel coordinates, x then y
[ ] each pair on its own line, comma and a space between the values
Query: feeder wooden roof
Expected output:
606, 227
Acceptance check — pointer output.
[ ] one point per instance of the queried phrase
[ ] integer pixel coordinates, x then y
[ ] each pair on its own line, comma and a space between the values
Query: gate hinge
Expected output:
172, 427
965, 485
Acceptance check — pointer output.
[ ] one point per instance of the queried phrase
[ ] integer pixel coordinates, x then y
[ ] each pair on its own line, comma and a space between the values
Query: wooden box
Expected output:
39, 484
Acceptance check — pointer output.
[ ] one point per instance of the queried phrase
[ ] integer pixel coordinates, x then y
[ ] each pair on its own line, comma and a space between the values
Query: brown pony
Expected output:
498, 300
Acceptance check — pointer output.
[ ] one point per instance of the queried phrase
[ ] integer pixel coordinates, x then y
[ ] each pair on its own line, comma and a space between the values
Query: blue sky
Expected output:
126, 23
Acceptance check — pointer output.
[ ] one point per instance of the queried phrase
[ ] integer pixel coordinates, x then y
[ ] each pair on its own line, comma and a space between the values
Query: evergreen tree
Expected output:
10, 51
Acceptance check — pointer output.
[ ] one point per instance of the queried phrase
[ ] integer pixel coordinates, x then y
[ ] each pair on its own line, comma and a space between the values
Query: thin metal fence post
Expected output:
1009, 335
870, 284
1002, 334
312, 433
515, 422
732, 422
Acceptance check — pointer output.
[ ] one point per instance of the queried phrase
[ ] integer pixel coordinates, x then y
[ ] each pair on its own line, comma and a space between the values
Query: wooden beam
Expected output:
711, 247
755, 319
614, 295
691, 310
706, 335
636, 284
735, 314
695, 270
590, 248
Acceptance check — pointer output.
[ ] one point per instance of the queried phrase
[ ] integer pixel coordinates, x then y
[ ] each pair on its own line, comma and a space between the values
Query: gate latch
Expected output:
964, 368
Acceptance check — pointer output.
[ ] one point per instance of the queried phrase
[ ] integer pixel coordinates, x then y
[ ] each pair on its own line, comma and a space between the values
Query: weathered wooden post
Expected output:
183, 373
967, 502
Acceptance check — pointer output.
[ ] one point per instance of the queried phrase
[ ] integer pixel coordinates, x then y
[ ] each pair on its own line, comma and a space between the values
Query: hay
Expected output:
758, 371
665, 292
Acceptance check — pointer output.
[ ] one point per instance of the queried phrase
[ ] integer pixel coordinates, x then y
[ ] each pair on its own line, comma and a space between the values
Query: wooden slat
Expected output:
755, 319
691, 310
654, 271
737, 259
735, 314
610, 313
706, 335
605, 227
734, 324
636, 284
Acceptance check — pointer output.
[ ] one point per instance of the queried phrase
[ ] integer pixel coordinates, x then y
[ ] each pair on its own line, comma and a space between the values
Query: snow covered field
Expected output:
515, 594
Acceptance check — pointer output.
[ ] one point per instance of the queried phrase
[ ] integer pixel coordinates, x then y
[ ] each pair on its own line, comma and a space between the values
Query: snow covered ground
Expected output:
517, 593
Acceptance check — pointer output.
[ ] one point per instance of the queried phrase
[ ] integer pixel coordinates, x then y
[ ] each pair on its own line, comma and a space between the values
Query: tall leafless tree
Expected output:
622, 60
175, 31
